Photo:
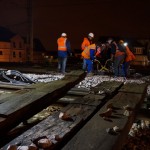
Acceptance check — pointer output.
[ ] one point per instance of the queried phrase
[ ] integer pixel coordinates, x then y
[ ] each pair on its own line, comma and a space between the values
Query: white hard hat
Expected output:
91, 35
63, 34
109, 40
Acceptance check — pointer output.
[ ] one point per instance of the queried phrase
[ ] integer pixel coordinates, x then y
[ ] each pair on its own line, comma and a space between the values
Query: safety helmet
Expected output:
110, 40
63, 34
121, 41
91, 35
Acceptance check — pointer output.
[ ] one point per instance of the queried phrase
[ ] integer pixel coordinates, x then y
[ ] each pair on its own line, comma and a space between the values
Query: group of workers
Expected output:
117, 52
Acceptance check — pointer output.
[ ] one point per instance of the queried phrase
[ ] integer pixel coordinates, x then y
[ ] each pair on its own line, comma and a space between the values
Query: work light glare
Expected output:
125, 44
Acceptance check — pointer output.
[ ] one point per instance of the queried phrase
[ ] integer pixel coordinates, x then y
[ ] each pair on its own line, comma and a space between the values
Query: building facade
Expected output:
14, 49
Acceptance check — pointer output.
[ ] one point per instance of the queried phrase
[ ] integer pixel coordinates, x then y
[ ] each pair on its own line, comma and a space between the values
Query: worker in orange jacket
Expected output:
129, 57
64, 49
86, 42
117, 56
89, 55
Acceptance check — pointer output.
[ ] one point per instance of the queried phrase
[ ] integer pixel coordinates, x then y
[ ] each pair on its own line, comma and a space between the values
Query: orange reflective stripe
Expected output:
59, 47
119, 53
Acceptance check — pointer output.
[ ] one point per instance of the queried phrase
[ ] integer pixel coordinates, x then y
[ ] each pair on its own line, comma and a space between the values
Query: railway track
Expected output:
81, 105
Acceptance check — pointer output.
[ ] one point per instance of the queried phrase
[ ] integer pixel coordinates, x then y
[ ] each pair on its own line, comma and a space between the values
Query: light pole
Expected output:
30, 31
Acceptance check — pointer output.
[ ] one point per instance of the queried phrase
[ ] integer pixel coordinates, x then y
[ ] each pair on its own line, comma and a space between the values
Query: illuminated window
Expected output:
14, 54
1, 53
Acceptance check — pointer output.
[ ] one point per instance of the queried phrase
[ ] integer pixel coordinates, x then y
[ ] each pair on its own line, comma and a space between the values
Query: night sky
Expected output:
125, 18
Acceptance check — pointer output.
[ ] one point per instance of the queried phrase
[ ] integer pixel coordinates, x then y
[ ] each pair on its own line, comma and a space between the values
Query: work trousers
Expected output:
117, 65
89, 64
84, 64
126, 66
62, 64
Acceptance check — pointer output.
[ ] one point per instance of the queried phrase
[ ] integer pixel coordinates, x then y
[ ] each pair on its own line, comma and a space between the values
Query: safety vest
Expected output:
120, 50
129, 55
62, 44
85, 43
86, 52
119, 53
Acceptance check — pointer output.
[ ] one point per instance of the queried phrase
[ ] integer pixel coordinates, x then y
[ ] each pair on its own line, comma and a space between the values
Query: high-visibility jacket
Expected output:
86, 54
120, 50
119, 53
129, 55
98, 52
85, 43
62, 44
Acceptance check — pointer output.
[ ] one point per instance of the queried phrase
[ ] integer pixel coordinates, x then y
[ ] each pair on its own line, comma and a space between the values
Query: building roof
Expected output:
5, 34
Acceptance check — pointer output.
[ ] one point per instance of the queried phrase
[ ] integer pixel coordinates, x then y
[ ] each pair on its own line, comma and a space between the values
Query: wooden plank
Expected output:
80, 89
14, 87
2, 119
54, 126
98, 93
79, 93
20, 101
134, 88
90, 100
22, 107
107, 87
67, 99
36, 85
81, 110
18, 90
94, 136
13, 94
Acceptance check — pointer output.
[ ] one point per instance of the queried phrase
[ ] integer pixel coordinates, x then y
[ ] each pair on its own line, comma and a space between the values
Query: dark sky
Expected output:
125, 18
